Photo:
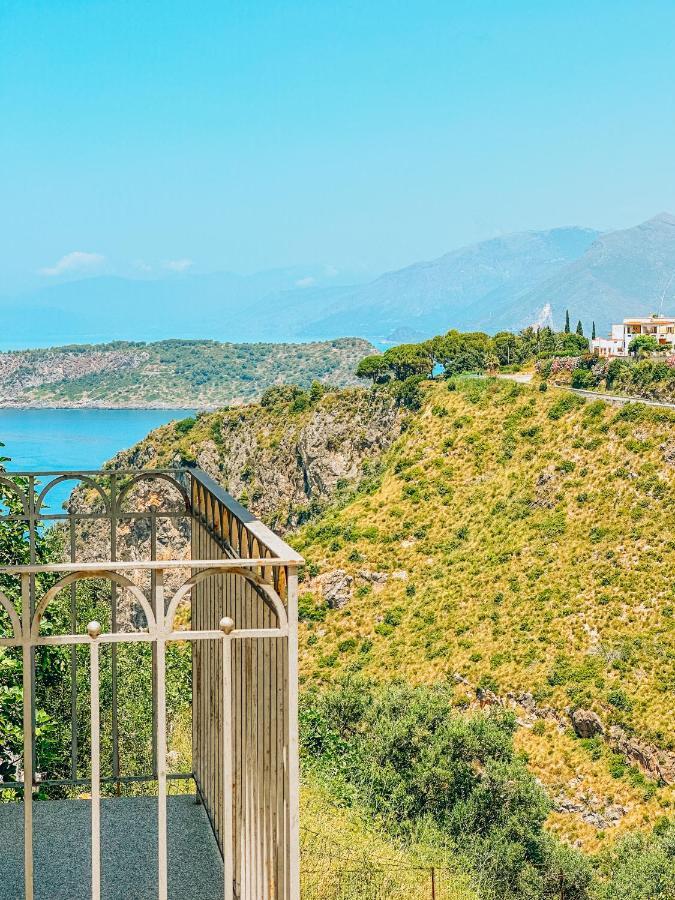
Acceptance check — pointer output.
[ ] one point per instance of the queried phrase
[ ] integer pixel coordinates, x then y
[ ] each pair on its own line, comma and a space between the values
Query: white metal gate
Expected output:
242, 593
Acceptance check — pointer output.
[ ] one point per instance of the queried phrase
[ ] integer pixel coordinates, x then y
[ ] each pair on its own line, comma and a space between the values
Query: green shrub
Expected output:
565, 404
639, 867
183, 426
311, 610
619, 699
582, 378
416, 763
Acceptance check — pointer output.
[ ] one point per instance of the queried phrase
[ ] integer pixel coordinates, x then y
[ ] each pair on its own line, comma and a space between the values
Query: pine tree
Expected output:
580, 328
593, 332
567, 321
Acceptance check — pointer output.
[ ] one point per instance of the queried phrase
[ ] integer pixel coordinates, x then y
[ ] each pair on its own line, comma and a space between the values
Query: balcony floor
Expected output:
62, 850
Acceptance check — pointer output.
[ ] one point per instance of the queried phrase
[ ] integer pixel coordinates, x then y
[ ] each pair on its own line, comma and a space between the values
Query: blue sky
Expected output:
144, 137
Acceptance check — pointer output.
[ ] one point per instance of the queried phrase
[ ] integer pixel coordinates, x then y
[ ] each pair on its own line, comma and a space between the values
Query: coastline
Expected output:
107, 405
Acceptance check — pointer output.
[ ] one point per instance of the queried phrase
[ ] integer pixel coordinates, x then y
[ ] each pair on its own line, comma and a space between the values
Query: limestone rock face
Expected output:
335, 588
372, 577
282, 465
586, 723
652, 760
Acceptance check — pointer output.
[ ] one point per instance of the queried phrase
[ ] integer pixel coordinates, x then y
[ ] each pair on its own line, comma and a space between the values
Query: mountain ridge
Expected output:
502, 283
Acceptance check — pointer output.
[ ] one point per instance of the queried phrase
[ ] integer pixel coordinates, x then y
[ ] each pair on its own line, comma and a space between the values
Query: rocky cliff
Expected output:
285, 458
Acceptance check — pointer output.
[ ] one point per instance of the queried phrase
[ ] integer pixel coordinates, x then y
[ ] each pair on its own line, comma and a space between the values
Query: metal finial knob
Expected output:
94, 629
227, 625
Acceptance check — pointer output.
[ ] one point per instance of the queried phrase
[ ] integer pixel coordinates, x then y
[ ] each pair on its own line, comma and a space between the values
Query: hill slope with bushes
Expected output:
172, 374
487, 636
516, 546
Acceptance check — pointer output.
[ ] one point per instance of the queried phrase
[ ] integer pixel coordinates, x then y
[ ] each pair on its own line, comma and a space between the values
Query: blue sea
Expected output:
54, 439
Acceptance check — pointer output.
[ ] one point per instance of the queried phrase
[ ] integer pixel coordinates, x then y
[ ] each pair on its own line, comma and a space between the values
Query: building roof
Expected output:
649, 320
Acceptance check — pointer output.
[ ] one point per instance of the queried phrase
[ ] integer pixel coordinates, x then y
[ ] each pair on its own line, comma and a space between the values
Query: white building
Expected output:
660, 327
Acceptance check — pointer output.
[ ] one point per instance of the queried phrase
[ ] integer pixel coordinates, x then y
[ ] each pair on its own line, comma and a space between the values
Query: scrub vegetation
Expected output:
174, 374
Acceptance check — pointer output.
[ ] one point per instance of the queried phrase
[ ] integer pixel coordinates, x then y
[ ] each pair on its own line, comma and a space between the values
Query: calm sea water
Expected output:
52, 439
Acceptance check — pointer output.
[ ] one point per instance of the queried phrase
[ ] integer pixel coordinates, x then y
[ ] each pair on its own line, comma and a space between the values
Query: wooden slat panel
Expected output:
258, 682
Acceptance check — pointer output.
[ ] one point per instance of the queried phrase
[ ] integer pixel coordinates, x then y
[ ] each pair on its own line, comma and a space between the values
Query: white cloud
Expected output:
305, 282
178, 265
77, 261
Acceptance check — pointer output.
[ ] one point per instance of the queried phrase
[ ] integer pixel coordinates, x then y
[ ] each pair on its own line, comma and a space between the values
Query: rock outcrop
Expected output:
281, 464
658, 763
335, 588
586, 723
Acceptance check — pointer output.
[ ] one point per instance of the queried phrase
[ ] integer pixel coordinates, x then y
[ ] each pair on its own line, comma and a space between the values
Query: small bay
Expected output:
57, 439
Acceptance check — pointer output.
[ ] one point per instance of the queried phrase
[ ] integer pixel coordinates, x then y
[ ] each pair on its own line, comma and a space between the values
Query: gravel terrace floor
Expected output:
62, 850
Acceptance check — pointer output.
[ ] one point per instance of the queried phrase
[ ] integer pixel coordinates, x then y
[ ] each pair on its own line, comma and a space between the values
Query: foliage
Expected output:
643, 344
407, 392
375, 368
409, 360
462, 352
640, 867
459, 352
49, 728
416, 763
174, 373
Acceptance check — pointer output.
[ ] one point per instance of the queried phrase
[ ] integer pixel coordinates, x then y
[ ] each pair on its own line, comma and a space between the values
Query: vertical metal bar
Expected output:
27, 738
197, 653
94, 630
293, 742
160, 749
33, 512
228, 846
159, 617
113, 647
73, 662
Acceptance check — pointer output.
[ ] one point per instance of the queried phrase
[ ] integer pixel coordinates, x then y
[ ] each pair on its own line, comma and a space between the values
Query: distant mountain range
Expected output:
506, 282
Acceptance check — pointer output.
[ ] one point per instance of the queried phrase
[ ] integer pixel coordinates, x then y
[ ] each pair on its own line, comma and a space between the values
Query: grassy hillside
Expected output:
174, 374
525, 543
499, 545
345, 855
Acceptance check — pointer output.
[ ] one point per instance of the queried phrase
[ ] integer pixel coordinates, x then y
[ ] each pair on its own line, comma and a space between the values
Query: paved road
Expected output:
526, 378
613, 398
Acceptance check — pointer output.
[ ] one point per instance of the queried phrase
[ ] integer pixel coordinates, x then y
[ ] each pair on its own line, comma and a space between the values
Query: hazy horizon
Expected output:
159, 138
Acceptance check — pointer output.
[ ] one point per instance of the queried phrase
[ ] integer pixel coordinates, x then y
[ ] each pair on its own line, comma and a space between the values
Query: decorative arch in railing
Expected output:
147, 477
13, 488
264, 589
83, 479
14, 619
72, 578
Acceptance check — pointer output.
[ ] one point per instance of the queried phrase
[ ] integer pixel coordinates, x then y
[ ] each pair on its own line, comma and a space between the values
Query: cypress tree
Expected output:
593, 332
567, 321
580, 328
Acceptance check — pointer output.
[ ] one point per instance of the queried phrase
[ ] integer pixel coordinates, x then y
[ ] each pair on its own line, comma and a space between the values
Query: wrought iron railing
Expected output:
210, 576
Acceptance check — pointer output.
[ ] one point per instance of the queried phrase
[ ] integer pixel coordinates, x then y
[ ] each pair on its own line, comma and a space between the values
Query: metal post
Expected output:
227, 627
27, 737
293, 739
158, 610
113, 627
159, 717
433, 883
94, 631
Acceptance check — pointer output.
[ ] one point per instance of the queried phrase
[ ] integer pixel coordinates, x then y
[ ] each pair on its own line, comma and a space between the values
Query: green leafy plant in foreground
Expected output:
422, 768
428, 772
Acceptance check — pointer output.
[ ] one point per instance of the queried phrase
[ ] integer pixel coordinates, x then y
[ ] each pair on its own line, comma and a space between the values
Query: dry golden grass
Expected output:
536, 536
345, 858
